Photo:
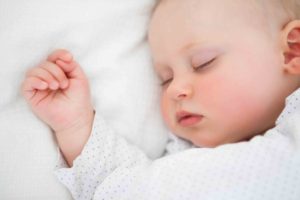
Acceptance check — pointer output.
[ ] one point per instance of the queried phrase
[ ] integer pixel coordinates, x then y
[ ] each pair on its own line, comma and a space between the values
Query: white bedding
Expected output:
108, 40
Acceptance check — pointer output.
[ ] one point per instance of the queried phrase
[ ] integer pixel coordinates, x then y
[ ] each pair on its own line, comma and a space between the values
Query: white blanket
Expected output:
108, 40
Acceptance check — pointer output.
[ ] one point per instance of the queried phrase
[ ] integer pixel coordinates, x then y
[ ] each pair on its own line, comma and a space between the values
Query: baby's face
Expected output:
222, 71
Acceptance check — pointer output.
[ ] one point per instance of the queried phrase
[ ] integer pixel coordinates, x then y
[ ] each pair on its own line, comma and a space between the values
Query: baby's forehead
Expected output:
211, 11
186, 21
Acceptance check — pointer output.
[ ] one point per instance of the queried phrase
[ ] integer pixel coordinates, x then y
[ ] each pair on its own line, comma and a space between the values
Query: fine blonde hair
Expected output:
290, 7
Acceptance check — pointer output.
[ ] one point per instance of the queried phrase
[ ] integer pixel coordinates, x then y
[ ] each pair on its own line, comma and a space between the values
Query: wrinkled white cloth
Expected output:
108, 39
266, 167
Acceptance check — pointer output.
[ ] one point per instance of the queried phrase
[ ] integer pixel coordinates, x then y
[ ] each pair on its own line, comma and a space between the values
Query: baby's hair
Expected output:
291, 7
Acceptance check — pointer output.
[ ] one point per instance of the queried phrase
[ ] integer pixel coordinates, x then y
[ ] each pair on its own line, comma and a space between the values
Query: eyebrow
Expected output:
189, 46
195, 44
189, 49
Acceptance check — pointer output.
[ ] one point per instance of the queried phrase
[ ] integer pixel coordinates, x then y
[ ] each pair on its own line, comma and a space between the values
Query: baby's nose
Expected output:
180, 90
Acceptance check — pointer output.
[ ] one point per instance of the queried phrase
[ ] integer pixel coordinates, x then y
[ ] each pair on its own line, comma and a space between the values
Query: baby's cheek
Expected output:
245, 114
230, 104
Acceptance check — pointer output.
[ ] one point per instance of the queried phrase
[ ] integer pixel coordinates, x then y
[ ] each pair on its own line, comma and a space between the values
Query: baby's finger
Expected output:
72, 69
45, 76
31, 84
57, 73
34, 83
61, 54
65, 60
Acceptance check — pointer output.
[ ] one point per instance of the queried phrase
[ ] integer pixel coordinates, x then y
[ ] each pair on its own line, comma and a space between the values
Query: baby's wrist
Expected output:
82, 123
72, 140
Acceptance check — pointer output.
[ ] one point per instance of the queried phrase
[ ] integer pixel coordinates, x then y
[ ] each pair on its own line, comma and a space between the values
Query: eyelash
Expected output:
200, 67
166, 82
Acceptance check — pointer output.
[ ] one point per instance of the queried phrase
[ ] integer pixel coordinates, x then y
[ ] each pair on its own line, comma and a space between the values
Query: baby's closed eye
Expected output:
204, 65
166, 82
165, 76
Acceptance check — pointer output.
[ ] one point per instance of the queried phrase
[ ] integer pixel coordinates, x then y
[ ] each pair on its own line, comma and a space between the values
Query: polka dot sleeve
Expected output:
101, 157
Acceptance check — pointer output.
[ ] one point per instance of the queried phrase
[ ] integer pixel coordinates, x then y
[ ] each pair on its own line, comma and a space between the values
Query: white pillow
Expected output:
108, 39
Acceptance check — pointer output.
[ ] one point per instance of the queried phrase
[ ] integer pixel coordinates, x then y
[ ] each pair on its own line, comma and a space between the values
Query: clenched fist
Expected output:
58, 92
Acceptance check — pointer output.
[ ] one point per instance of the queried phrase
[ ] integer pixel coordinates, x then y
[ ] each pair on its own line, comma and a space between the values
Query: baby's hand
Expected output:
58, 92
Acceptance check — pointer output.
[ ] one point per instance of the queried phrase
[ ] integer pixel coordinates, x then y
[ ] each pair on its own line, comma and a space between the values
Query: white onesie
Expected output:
266, 167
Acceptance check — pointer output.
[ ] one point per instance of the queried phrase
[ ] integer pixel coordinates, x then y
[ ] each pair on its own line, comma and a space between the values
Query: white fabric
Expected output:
107, 37
266, 167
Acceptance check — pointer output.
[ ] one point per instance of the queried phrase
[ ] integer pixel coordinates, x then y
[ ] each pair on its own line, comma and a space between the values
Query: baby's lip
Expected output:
185, 118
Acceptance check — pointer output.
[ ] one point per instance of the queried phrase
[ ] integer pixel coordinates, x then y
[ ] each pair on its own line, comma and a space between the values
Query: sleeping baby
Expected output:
226, 69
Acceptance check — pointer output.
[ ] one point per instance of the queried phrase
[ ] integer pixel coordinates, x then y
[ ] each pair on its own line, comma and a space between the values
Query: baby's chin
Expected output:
198, 138
207, 139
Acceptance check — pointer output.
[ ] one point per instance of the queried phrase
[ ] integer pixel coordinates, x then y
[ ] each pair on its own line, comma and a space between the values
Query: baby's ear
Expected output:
291, 47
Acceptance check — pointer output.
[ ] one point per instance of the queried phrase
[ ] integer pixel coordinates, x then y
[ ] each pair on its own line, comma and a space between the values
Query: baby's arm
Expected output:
58, 92
107, 165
